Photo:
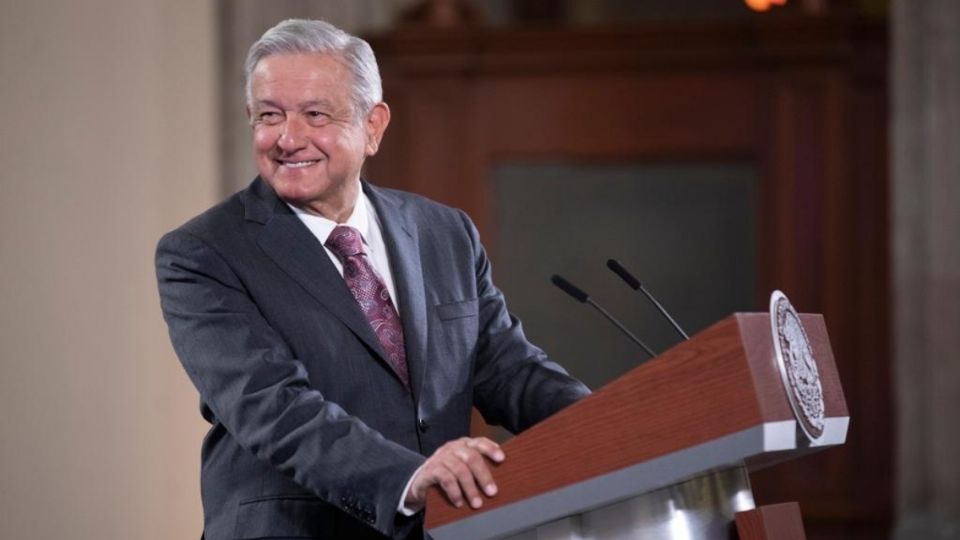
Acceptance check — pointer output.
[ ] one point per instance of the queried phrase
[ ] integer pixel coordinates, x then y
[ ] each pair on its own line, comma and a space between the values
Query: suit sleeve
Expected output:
515, 384
250, 380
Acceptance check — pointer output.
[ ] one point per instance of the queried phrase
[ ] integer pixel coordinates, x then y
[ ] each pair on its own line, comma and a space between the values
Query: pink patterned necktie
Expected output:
372, 295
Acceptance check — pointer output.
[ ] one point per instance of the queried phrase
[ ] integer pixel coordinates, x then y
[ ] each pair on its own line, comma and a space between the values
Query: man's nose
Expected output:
293, 136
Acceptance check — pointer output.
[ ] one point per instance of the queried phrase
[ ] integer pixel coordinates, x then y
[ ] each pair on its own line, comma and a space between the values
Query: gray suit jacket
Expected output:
312, 434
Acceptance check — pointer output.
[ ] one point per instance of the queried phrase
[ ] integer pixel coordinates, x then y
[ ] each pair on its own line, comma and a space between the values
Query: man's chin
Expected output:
303, 195
296, 187
305, 190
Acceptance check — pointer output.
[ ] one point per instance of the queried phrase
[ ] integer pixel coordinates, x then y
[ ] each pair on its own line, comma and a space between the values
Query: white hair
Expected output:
299, 36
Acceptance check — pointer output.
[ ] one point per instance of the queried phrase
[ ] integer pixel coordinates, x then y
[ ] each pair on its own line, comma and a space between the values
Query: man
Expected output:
338, 332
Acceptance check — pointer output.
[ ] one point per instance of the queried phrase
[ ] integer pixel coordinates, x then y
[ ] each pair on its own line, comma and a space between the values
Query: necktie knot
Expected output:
345, 242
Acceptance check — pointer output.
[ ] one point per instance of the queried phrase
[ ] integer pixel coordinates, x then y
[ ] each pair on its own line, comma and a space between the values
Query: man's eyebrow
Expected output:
320, 102
311, 103
265, 103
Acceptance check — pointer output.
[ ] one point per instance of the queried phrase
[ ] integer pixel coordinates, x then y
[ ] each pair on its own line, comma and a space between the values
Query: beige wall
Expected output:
107, 139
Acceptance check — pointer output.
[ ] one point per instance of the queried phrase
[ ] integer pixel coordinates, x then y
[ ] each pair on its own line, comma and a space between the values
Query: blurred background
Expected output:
719, 148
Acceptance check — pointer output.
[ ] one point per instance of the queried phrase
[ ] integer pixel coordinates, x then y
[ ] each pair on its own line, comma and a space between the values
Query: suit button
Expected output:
422, 424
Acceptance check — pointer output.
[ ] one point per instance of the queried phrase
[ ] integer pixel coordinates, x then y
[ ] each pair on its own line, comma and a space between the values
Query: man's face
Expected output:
308, 141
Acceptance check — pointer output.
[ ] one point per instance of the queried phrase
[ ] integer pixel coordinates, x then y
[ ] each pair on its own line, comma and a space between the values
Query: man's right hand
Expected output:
461, 471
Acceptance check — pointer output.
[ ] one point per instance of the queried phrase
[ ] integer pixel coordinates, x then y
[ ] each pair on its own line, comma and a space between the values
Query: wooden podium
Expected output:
662, 452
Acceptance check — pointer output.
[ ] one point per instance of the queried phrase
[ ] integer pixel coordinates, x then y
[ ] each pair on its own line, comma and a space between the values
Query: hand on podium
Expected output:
460, 470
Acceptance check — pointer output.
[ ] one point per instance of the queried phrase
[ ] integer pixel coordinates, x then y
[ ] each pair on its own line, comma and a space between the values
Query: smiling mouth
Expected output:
298, 164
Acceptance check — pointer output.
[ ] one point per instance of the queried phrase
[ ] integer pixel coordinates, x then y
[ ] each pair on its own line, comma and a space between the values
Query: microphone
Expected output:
584, 298
635, 284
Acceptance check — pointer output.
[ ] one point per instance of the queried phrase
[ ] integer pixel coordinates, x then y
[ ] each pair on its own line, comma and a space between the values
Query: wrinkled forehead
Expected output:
304, 76
302, 66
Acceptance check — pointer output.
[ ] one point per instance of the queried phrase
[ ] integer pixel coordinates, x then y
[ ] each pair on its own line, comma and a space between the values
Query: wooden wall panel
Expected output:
594, 115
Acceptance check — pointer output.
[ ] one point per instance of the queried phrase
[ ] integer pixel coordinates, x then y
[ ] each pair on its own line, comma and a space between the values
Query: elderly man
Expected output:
338, 332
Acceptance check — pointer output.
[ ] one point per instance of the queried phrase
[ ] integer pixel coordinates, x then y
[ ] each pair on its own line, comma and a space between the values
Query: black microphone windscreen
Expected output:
624, 274
569, 288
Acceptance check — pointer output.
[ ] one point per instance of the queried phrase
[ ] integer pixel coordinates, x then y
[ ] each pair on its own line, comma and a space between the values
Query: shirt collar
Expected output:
321, 227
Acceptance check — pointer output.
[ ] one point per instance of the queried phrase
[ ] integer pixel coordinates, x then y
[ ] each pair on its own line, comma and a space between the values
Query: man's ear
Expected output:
376, 125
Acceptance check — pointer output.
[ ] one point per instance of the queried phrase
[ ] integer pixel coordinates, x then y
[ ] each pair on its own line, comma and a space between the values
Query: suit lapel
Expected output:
298, 253
403, 249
